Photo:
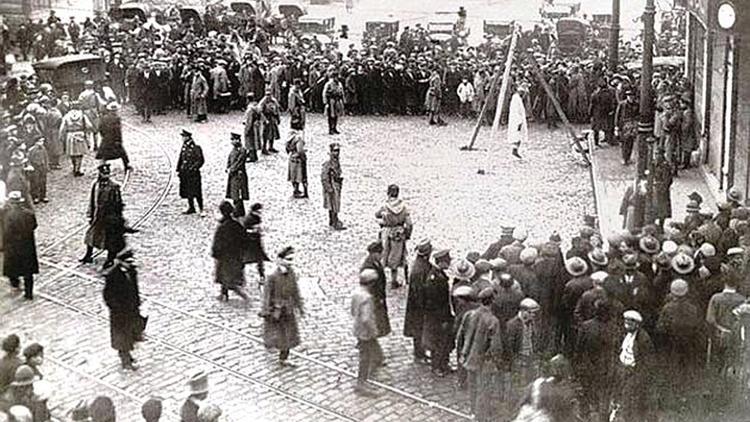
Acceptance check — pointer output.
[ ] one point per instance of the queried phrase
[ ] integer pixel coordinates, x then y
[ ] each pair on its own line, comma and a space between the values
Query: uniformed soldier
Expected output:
332, 180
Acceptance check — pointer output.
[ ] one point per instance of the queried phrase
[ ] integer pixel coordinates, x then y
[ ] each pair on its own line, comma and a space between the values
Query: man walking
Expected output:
189, 172
601, 110
237, 189
332, 180
121, 296
20, 258
110, 130
106, 222
365, 329
414, 318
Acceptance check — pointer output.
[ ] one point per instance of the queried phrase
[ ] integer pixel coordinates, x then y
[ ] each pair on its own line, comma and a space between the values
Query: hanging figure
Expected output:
518, 131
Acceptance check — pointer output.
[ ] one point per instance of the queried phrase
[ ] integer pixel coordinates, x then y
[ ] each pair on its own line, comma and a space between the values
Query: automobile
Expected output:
382, 29
292, 10
323, 25
556, 11
192, 12
68, 73
497, 28
572, 34
129, 11
242, 7
602, 24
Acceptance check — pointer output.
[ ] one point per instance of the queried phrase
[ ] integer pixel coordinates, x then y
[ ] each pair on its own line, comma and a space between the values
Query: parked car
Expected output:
572, 34
382, 29
68, 73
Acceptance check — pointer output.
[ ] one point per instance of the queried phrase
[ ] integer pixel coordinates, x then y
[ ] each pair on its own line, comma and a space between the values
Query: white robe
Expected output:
518, 132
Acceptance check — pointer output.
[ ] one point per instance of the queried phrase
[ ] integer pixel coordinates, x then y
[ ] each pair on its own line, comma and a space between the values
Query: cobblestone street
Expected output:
188, 327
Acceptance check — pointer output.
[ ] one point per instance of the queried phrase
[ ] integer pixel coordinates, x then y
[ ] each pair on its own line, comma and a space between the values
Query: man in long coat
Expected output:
433, 98
270, 109
198, 95
237, 189
296, 104
395, 230
437, 333
121, 296
602, 109
414, 317
593, 351
219, 85
253, 128
331, 179
479, 346
189, 172
333, 98
90, 104
20, 258
110, 130
297, 170
106, 222
229, 254
281, 304
51, 129
373, 262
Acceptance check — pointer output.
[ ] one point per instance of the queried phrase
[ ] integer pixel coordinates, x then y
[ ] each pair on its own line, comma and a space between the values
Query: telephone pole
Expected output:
646, 123
614, 36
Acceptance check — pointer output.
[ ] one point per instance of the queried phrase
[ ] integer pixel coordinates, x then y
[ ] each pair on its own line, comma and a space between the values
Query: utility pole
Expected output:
614, 36
646, 123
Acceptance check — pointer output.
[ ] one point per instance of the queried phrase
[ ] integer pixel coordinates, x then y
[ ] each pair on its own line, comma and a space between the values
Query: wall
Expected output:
742, 116
716, 109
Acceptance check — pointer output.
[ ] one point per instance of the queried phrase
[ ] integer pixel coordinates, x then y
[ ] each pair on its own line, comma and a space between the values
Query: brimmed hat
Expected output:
598, 257
649, 244
375, 247
576, 266
669, 247
15, 196
186, 133
463, 291
683, 264
235, 136
462, 269
507, 231
632, 315
735, 251
151, 409
104, 169
486, 293
599, 277
442, 254
113, 106
678, 288
498, 264
630, 261
707, 250
198, 382
529, 304
482, 266
334, 146
528, 256
734, 194
24, 376
520, 234
424, 247
368, 276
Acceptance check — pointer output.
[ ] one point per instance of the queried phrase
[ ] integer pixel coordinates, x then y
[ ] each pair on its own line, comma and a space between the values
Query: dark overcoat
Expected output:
382, 320
437, 333
106, 222
237, 180
254, 251
123, 300
229, 254
20, 258
414, 318
189, 170
281, 299
111, 132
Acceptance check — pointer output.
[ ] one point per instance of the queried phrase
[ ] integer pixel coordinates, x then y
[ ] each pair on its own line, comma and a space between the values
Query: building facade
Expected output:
718, 61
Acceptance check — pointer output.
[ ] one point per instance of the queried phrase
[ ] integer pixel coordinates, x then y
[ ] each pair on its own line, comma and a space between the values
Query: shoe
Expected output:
625, 162
131, 230
422, 360
273, 150
45, 200
128, 169
86, 260
288, 364
336, 132
516, 154
338, 226
29, 298
298, 195
129, 366
432, 123
222, 297
264, 152
189, 211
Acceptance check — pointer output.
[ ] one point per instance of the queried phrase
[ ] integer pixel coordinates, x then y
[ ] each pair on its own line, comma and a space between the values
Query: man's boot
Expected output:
297, 193
304, 190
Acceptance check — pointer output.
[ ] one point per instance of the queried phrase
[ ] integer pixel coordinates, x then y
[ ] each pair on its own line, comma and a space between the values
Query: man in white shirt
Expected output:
632, 371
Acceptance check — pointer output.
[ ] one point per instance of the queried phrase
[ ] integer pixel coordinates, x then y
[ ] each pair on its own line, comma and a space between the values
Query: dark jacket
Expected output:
20, 257
382, 321
514, 337
228, 252
123, 300
111, 132
189, 170
414, 317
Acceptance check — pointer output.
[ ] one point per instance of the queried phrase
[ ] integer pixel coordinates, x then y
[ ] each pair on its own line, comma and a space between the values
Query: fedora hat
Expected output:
15, 196
198, 382
186, 133
649, 244
424, 248
462, 269
598, 257
683, 264
24, 376
528, 256
630, 261
678, 288
576, 266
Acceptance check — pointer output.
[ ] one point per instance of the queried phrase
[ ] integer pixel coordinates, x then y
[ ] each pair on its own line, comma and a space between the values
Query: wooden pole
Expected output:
505, 83
552, 97
493, 87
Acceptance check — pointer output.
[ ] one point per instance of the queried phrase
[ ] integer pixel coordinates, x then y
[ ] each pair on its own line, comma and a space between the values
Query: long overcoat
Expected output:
382, 321
189, 170
106, 222
333, 98
121, 296
228, 253
415, 312
331, 179
281, 302
20, 257
237, 174
437, 333
297, 172
51, 127
254, 251
110, 130
198, 94
396, 227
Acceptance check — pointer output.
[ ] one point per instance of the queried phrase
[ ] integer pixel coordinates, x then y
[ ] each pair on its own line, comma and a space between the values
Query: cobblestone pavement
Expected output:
451, 203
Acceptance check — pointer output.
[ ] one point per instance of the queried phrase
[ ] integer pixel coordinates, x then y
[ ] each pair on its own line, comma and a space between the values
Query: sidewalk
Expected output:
611, 179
